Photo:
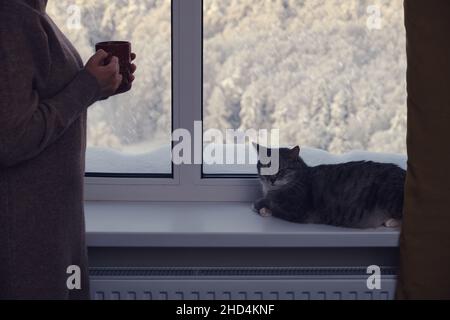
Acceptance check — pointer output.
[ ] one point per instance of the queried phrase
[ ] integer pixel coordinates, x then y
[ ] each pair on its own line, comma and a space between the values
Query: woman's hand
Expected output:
131, 75
133, 68
107, 76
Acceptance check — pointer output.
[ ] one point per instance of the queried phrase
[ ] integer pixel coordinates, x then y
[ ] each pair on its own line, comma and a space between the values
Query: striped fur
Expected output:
360, 194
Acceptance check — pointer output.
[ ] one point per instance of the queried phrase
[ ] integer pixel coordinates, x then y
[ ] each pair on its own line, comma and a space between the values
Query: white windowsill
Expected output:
193, 224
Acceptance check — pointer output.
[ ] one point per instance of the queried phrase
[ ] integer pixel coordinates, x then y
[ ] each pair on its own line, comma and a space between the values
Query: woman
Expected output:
44, 95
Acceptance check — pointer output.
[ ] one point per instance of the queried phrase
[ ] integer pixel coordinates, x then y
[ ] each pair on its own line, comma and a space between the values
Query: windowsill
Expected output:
193, 224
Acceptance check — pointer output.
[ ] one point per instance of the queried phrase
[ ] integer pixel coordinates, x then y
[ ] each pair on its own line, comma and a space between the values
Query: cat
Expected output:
361, 194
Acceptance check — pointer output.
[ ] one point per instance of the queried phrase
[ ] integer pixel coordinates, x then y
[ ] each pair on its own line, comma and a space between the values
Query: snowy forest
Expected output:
139, 120
330, 74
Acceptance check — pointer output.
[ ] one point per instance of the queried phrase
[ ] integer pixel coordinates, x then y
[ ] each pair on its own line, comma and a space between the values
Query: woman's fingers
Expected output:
133, 68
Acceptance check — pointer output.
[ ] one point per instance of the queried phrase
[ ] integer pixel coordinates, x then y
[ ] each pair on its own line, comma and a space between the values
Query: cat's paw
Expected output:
393, 223
264, 212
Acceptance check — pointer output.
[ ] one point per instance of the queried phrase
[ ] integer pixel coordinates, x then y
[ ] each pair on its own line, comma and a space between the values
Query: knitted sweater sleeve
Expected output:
29, 124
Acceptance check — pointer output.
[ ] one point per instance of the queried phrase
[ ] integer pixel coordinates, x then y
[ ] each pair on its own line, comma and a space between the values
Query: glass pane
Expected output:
129, 133
329, 74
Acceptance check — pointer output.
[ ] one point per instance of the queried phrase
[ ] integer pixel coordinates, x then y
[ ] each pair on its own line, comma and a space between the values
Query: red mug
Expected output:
121, 50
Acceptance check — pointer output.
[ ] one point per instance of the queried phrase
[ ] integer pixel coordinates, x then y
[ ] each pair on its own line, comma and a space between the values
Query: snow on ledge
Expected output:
159, 160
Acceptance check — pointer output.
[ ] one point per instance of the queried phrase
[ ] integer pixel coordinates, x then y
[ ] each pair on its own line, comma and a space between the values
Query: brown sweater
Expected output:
44, 95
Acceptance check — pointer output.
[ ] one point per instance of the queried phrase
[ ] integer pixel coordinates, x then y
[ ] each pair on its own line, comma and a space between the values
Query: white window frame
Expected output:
187, 183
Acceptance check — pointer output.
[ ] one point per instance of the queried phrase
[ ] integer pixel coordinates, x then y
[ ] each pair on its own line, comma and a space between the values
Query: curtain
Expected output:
425, 238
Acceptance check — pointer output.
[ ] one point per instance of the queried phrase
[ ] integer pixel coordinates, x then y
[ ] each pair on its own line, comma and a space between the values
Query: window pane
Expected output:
129, 133
330, 74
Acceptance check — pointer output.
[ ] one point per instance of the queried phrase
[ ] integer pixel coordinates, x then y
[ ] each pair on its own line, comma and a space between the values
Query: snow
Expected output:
140, 118
107, 160
311, 68
312, 157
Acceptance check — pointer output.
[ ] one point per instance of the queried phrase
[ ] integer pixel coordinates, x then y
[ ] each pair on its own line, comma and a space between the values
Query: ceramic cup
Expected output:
121, 50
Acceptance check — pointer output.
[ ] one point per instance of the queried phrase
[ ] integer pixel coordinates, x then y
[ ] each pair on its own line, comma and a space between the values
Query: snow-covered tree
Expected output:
311, 68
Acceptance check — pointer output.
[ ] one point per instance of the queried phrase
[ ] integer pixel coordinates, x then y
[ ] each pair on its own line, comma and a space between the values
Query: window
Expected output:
130, 133
329, 74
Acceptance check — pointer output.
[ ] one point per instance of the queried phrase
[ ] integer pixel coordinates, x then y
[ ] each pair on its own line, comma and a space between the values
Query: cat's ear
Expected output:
261, 149
294, 153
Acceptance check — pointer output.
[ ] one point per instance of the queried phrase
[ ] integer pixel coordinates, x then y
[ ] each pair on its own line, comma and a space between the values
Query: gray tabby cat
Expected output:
360, 194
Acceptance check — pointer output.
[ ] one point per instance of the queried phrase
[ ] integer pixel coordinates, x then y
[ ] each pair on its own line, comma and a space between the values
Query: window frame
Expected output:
187, 182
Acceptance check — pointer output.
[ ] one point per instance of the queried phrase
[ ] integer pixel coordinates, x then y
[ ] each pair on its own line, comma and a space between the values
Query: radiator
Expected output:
238, 284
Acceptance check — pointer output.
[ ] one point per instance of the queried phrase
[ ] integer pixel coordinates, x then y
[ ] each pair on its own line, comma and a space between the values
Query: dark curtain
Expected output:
425, 238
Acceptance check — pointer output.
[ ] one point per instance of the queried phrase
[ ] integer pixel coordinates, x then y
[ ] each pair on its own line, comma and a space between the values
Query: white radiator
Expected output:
238, 284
